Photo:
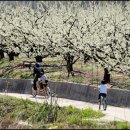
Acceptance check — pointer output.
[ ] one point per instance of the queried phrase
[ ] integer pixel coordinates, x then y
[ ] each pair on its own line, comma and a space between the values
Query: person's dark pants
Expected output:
102, 94
42, 85
34, 82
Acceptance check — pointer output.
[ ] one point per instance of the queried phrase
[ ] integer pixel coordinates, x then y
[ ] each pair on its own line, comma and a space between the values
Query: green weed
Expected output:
77, 79
90, 113
39, 115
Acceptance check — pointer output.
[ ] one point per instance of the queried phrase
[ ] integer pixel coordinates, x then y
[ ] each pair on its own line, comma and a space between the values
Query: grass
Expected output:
90, 113
47, 70
77, 79
53, 60
120, 124
91, 124
123, 125
128, 87
23, 73
86, 66
75, 116
57, 77
63, 77
40, 115
4, 62
26, 110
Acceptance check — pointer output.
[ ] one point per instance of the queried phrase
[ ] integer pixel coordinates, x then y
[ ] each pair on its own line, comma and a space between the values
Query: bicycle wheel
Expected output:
100, 103
104, 103
34, 92
48, 92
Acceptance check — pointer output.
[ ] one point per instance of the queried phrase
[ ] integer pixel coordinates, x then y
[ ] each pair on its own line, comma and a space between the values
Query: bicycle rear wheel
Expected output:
104, 104
47, 93
100, 103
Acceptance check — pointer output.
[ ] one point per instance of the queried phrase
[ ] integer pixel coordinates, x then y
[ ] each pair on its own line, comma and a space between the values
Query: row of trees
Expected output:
96, 31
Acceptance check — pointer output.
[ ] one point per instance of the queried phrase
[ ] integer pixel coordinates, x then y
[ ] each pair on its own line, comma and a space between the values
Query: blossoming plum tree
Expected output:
96, 31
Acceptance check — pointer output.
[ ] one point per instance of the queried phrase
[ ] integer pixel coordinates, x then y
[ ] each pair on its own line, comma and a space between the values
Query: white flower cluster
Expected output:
102, 31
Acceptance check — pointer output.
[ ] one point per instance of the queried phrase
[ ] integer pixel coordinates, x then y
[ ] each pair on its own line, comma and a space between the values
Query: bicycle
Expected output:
103, 102
45, 91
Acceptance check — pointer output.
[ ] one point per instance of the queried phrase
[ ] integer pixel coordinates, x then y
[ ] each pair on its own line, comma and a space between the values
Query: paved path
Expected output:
112, 113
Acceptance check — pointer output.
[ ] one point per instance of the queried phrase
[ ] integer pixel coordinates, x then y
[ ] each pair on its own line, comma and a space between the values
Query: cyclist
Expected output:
102, 90
43, 80
36, 74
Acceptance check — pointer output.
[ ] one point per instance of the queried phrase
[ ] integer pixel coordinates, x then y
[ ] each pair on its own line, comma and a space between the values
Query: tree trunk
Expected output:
1, 54
38, 58
11, 56
106, 77
70, 69
69, 59
16, 54
86, 58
